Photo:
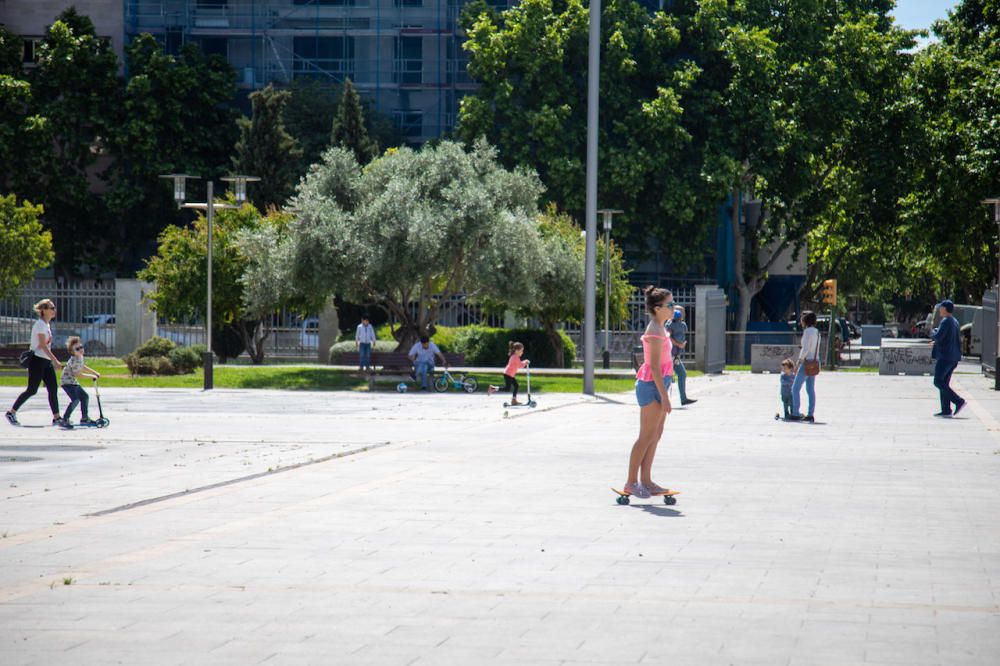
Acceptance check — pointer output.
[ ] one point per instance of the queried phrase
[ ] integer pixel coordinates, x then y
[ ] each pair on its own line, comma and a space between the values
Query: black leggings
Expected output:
510, 384
40, 370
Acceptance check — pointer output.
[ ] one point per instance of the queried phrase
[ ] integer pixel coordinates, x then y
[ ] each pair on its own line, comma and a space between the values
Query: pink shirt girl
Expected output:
514, 363
645, 373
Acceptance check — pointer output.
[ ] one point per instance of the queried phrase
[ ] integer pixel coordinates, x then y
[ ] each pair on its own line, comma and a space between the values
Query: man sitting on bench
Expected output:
422, 355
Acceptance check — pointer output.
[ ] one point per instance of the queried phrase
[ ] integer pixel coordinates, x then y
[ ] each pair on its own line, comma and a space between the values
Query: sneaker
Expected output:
943, 415
636, 490
88, 422
688, 402
62, 423
656, 489
809, 419
12, 418
959, 407
492, 389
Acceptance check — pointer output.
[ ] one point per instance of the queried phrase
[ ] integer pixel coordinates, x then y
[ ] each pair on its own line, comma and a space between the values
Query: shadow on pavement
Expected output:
660, 510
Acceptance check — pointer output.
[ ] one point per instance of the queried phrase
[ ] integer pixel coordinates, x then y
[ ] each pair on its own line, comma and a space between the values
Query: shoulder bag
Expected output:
24, 360
811, 368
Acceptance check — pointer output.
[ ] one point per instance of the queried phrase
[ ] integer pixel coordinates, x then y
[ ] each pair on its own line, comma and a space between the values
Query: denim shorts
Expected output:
645, 392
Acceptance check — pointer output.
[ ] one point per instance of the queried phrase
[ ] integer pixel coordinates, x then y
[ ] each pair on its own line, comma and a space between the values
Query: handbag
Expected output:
24, 360
811, 368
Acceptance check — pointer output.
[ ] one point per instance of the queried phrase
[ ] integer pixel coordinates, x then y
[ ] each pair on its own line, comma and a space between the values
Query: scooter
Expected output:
530, 402
101, 421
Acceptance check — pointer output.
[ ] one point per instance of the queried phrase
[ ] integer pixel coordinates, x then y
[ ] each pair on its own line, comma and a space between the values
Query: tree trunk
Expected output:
557, 344
254, 333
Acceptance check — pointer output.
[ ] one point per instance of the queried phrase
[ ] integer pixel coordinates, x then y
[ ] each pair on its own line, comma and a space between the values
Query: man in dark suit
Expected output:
947, 352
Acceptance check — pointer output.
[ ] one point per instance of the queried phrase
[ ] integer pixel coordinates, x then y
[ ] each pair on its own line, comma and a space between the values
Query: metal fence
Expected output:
84, 308
624, 336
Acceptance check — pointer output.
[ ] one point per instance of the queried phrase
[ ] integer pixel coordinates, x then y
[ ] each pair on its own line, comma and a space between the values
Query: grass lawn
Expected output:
310, 378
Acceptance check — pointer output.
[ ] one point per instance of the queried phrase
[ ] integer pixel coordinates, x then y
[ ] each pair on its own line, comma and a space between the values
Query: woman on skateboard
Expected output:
651, 385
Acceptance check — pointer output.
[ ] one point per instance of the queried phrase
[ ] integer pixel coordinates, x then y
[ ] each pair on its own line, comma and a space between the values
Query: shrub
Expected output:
163, 366
484, 346
200, 351
139, 365
349, 346
156, 346
184, 359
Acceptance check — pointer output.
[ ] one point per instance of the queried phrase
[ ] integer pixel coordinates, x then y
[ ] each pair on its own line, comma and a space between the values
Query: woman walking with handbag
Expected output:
40, 365
807, 369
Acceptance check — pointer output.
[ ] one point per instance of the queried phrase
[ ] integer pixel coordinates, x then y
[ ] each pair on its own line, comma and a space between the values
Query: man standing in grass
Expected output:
364, 338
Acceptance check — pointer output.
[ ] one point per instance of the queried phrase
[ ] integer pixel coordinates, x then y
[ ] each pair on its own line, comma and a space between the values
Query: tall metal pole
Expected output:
996, 360
210, 215
590, 255
607, 289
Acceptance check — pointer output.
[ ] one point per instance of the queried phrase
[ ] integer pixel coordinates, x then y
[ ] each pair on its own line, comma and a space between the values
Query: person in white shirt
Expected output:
422, 355
364, 338
808, 352
40, 367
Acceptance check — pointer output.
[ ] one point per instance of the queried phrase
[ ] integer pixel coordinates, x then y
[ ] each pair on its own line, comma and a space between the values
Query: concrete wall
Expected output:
768, 358
135, 322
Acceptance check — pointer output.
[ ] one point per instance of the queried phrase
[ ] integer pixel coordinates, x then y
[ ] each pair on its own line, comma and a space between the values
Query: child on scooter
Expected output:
514, 363
75, 368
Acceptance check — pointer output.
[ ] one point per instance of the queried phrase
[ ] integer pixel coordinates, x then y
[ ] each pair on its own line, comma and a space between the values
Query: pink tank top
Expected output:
645, 373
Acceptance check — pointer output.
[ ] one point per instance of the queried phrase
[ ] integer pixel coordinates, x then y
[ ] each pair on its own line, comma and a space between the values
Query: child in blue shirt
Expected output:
787, 378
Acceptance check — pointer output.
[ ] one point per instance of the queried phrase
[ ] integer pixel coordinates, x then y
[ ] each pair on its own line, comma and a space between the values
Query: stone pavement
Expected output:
428, 529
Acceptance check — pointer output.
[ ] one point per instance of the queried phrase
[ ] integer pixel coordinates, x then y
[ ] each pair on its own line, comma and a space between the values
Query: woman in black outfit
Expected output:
43, 365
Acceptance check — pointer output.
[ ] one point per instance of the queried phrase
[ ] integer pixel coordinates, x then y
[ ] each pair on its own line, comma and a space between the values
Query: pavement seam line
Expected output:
992, 425
241, 479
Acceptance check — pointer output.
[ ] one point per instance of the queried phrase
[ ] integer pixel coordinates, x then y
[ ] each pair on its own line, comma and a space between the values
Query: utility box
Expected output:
871, 335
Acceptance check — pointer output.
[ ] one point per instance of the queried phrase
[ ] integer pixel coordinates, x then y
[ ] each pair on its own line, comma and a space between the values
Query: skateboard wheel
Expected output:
622, 500
669, 501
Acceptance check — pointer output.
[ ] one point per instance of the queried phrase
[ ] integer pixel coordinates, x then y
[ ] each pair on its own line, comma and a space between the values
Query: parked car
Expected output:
98, 333
309, 337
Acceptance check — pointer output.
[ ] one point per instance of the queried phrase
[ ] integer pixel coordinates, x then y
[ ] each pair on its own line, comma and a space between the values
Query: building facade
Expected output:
405, 56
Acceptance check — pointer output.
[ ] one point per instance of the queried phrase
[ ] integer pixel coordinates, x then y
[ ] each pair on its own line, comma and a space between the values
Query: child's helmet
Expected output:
401, 387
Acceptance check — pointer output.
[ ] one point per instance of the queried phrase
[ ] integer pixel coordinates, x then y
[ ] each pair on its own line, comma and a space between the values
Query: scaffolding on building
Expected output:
404, 55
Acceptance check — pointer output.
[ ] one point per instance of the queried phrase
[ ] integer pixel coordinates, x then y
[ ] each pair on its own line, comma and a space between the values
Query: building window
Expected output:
410, 123
325, 3
31, 51
409, 61
409, 3
173, 41
214, 46
212, 4
323, 57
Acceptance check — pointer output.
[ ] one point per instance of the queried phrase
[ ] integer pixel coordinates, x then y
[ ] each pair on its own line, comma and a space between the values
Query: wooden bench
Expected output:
9, 366
394, 366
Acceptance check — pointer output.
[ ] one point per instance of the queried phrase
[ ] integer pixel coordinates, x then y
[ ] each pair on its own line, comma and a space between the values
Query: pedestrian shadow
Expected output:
660, 510
614, 402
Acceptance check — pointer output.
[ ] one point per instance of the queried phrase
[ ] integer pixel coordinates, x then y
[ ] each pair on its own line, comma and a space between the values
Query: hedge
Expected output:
482, 345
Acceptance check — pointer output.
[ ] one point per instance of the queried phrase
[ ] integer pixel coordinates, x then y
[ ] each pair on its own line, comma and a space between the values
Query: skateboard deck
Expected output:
667, 495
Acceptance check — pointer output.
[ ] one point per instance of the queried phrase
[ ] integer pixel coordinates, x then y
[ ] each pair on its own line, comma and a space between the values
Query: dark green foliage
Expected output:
484, 346
265, 149
349, 131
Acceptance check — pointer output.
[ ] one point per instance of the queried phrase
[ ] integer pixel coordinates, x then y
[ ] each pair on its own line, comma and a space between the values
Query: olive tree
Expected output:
411, 230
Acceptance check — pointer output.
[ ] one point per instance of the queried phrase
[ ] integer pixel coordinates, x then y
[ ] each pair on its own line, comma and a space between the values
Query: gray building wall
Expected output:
31, 18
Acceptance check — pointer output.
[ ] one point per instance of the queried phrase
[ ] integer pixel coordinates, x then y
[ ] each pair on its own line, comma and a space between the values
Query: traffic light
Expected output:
828, 294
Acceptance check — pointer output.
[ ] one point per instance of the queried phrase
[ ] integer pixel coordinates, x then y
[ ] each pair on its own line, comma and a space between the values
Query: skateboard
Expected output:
667, 495
779, 417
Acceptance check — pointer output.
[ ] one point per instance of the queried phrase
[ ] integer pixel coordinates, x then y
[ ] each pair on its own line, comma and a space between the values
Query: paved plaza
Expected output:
246, 527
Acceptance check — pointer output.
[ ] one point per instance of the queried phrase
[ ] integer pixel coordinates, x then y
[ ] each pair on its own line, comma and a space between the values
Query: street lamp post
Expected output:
995, 202
607, 214
239, 184
590, 254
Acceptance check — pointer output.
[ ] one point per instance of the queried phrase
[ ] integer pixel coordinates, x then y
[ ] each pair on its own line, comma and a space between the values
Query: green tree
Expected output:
415, 228
561, 283
349, 129
308, 116
25, 246
18, 127
954, 93
531, 62
179, 270
74, 89
266, 150
175, 116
